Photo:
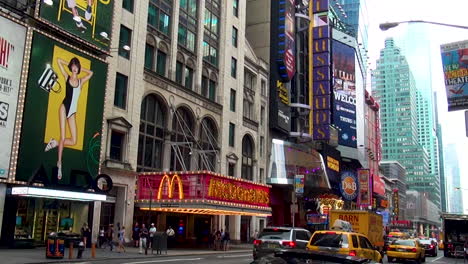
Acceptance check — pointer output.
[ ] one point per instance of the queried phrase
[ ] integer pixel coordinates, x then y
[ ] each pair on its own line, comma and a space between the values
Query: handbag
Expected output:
48, 80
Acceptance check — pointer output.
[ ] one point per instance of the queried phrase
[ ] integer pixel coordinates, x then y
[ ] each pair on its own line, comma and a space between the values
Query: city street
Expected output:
228, 258
439, 259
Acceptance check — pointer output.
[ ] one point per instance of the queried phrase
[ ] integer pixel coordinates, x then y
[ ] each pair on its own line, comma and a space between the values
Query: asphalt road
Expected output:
233, 258
440, 259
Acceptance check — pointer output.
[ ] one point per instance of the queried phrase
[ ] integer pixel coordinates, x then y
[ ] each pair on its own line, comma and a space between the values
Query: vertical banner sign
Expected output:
286, 51
12, 38
91, 20
344, 90
321, 83
455, 65
62, 119
299, 184
396, 204
365, 187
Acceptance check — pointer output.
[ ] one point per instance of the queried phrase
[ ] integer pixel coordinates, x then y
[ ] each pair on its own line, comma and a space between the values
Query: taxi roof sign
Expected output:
342, 226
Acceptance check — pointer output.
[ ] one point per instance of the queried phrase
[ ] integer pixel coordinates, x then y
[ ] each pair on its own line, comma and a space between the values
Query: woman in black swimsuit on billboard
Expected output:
69, 106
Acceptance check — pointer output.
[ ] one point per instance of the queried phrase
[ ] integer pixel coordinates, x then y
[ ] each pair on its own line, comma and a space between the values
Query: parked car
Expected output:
406, 249
430, 247
300, 256
274, 238
344, 242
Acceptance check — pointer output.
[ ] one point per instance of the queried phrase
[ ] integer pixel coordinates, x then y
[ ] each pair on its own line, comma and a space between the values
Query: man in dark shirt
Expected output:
143, 237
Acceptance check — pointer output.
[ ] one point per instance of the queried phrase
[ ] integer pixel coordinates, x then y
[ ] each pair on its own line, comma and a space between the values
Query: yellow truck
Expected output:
364, 222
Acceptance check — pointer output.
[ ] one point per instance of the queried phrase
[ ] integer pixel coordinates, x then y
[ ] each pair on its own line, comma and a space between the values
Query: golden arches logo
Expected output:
170, 185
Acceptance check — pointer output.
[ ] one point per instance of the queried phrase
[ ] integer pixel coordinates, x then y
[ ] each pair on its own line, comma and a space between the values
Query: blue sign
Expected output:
349, 186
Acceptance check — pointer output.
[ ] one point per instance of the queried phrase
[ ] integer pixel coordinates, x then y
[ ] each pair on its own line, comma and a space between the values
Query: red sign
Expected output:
365, 187
201, 185
378, 184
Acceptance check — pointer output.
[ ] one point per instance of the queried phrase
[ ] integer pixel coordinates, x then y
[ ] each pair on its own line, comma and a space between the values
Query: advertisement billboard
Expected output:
91, 20
344, 90
455, 66
12, 39
62, 118
365, 187
286, 44
349, 186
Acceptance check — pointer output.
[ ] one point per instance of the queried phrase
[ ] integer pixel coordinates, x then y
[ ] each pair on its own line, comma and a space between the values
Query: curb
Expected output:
141, 257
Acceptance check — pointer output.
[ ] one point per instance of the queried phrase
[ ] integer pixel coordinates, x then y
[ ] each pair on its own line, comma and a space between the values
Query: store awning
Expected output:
202, 192
56, 194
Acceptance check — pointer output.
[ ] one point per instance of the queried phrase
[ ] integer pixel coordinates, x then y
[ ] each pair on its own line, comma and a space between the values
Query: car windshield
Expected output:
330, 240
403, 243
275, 233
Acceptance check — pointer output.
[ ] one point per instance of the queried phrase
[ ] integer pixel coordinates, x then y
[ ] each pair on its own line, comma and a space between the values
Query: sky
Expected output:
449, 12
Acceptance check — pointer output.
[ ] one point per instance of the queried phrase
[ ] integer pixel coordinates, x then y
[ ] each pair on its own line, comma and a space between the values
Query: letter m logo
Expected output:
169, 182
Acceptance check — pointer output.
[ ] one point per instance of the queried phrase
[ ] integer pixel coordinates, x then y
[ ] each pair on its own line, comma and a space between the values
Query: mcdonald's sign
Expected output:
170, 186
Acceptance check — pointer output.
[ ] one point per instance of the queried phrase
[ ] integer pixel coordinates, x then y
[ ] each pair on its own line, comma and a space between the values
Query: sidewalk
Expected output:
37, 255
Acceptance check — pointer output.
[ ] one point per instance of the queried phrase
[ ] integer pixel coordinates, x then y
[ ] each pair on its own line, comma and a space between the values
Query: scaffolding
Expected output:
195, 146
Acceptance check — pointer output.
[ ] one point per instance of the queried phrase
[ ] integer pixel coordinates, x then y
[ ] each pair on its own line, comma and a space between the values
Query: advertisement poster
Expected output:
455, 66
349, 185
12, 38
91, 20
365, 190
299, 184
63, 111
344, 89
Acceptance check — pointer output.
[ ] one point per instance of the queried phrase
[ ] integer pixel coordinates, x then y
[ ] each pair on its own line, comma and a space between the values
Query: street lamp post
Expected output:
388, 25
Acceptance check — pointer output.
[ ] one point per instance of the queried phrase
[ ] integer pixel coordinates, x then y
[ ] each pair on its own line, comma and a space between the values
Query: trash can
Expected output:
55, 246
159, 242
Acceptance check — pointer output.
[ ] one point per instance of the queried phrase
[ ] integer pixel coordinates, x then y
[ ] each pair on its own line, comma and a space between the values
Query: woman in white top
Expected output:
122, 239
69, 106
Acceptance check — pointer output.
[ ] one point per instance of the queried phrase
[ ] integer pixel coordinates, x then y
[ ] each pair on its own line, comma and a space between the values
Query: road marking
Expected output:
235, 256
437, 259
162, 260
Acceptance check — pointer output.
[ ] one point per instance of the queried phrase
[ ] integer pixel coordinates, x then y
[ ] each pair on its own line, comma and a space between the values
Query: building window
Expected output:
188, 24
233, 67
117, 145
263, 87
262, 147
212, 90
248, 108
232, 101
161, 63
231, 169
262, 175
249, 80
262, 115
179, 72
159, 15
235, 8
181, 153
124, 40
128, 5
149, 57
120, 96
247, 158
188, 77
210, 37
234, 37
232, 131
209, 143
208, 88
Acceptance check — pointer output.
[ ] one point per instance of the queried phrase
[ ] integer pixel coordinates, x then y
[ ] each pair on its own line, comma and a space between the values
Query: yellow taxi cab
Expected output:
342, 240
398, 235
406, 249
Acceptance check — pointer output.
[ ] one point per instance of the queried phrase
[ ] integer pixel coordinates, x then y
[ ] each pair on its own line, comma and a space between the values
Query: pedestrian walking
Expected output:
101, 237
136, 235
152, 232
85, 233
226, 238
218, 240
170, 236
110, 236
211, 239
143, 238
122, 239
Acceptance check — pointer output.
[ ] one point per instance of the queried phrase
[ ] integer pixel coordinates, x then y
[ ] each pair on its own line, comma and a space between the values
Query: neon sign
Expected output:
170, 187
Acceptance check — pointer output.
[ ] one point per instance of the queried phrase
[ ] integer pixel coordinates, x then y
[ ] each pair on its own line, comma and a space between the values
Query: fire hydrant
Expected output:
81, 248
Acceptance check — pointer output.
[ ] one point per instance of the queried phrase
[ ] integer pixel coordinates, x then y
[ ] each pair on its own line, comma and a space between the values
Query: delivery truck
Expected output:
364, 222
455, 228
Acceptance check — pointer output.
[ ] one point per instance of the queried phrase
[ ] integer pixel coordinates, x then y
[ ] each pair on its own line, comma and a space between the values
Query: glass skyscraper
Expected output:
395, 89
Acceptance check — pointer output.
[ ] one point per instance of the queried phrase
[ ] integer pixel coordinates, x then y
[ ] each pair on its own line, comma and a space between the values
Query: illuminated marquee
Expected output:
230, 191
333, 164
170, 187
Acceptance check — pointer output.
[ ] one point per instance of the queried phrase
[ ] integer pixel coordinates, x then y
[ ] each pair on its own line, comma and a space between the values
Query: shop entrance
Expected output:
245, 228
202, 226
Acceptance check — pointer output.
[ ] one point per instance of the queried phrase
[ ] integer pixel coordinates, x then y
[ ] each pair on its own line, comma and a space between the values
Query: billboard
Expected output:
365, 187
286, 45
349, 186
455, 66
12, 38
344, 90
91, 20
62, 118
